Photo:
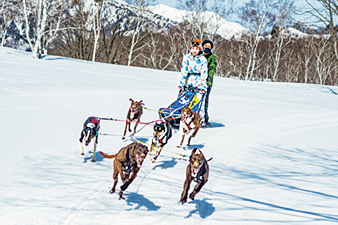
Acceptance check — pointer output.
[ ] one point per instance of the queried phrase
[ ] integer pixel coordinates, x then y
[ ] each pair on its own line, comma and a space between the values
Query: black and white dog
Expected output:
162, 133
90, 130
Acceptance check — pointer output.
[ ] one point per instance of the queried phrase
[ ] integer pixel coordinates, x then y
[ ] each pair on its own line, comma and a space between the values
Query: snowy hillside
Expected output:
215, 23
160, 15
274, 147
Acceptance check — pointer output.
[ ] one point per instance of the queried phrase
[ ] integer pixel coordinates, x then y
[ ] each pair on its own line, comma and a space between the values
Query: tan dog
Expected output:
189, 125
162, 134
128, 160
134, 115
198, 171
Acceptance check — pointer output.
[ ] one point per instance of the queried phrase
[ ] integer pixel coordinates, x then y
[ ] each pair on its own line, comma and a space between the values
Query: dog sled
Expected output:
189, 97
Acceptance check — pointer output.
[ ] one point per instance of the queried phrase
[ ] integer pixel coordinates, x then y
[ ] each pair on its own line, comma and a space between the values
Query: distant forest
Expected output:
276, 47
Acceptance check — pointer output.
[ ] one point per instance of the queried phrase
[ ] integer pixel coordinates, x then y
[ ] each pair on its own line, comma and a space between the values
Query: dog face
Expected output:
140, 154
135, 106
159, 129
196, 161
186, 113
89, 133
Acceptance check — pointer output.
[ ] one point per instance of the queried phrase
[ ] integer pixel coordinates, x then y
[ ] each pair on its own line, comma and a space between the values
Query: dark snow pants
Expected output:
206, 104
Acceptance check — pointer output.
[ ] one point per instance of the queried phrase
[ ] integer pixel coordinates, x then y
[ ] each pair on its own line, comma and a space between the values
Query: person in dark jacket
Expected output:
212, 64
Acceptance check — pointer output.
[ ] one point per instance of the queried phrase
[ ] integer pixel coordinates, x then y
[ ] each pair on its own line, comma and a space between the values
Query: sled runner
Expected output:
190, 98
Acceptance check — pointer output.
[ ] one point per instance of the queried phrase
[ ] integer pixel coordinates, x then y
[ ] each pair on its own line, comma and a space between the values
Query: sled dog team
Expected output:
197, 71
129, 159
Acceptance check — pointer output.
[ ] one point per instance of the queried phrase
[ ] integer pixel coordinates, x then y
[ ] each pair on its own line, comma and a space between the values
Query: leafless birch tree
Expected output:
8, 11
256, 16
326, 14
137, 25
39, 12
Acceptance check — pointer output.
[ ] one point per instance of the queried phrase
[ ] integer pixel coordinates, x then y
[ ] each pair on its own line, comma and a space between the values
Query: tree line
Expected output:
127, 35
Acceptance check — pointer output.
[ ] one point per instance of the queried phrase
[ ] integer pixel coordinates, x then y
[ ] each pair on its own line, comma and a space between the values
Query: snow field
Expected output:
273, 146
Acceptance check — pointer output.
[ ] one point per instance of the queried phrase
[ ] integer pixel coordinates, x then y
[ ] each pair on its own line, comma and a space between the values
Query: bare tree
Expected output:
306, 55
138, 23
205, 17
97, 16
8, 11
195, 18
256, 16
114, 34
75, 39
326, 14
284, 11
37, 14
324, 60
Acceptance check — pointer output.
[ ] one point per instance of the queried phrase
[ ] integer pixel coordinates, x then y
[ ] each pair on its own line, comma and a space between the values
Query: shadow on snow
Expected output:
98, 157
294, 170
140, 200
203, 208
166, 164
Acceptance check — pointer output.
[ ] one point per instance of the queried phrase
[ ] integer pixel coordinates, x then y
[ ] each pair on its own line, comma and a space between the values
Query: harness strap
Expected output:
187, 124
201, 172
160, 139
133, 118
129, 164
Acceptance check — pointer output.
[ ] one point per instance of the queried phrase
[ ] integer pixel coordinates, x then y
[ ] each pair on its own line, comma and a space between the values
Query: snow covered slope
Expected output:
215, 23
274, 147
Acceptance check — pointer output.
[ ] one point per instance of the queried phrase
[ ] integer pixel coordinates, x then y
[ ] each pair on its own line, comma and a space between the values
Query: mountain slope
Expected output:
215, 23
273, 144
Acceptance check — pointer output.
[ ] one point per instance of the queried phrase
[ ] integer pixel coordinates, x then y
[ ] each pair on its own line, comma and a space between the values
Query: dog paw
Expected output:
123, 137
93, 160
82, 153
121, 195
153, 160
192, 196
112, 191
178, 146
182, 201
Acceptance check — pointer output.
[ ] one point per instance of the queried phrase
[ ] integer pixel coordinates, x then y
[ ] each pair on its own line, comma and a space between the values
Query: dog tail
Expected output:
210, 159
107, 156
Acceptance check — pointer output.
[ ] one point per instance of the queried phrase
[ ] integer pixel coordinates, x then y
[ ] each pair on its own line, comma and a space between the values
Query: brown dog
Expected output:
189, 125
198, 171
134, 115
128, 159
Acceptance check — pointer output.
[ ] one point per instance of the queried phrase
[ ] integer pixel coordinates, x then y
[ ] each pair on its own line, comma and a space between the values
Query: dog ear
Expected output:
131, 100
198, 152
141, 102
194, 151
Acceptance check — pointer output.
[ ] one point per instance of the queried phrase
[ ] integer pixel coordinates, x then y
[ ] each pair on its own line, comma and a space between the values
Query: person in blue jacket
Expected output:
194, 70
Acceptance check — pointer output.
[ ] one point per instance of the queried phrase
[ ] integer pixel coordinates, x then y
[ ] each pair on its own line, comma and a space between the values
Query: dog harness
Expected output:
201, 172
93, 123
185, 122
127, 166
135, 115
165, 135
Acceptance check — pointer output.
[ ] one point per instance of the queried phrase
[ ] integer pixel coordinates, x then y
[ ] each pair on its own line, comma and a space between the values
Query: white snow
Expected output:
216, 24
274, 148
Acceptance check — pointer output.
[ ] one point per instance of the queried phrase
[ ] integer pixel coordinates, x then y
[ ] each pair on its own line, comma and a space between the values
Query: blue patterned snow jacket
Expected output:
194, 66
